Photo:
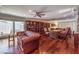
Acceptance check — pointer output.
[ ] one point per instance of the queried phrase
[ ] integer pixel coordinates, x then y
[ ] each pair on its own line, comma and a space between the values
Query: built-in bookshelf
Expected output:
36, 26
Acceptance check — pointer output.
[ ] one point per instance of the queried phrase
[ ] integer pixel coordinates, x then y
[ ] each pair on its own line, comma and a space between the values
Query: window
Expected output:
6, 27
19, 26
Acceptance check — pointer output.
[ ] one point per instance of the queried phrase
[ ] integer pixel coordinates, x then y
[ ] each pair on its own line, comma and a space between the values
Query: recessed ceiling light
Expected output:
30, 10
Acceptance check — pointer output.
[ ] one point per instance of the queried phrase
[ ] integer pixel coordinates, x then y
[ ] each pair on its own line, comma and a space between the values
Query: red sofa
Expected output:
27, 41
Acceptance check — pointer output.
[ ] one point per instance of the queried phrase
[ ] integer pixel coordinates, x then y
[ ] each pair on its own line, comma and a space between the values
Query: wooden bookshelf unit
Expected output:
36, 26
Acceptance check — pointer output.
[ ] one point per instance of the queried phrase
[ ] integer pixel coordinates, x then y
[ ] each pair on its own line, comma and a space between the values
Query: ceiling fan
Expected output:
38, 13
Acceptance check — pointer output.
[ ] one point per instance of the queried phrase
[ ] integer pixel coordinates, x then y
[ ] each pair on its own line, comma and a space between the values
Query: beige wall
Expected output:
72, 23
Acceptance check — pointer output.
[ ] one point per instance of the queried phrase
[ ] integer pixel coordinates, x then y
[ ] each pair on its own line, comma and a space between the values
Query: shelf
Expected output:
36, 26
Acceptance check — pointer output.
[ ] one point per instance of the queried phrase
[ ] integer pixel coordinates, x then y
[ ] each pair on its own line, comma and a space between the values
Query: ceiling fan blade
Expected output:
34, 15
39, 16
42, 14
31, 14
46, 11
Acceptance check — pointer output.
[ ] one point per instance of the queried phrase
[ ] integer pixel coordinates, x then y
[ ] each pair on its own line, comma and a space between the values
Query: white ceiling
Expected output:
23, 10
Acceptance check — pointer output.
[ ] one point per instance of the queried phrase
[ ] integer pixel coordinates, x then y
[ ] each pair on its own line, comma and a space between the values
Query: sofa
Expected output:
27, 41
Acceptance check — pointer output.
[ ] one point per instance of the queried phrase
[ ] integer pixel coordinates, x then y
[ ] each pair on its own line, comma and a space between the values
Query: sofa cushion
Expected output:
28, 33
32, 34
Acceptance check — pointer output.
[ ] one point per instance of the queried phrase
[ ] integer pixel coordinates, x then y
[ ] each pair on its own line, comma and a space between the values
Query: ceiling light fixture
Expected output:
65, 10
30, 10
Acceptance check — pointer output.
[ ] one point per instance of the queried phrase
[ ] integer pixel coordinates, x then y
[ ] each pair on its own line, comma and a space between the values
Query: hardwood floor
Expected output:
5, 49
56, 46
46, 46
